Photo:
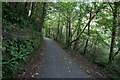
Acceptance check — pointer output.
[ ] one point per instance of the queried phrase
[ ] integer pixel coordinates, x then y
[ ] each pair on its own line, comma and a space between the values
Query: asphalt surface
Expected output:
58, 64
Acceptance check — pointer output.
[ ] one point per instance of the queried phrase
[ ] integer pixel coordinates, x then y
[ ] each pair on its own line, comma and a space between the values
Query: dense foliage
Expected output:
21, 37
93, 29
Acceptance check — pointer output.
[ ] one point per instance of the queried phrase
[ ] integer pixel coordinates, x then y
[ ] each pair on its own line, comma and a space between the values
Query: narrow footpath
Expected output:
58, 64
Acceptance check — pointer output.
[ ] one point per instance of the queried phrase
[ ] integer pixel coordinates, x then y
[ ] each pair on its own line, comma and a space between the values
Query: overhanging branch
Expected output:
86, 25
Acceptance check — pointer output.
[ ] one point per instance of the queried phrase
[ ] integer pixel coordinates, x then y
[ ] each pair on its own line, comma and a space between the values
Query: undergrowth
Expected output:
20, 39
112, 71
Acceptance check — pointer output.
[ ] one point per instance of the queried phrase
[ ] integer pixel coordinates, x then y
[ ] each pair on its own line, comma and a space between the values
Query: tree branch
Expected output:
110, 6
85, 26
73, 33
116, 53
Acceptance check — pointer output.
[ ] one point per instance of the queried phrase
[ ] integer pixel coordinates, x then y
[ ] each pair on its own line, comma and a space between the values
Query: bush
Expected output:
16, 52
19, 42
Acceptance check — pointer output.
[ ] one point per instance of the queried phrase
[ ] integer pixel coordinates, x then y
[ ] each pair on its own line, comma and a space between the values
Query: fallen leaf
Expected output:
87, 71
89, 76
36, 74
68, 67
32, 76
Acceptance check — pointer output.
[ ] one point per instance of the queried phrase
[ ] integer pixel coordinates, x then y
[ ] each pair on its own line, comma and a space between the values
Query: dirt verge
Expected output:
84, 64
33, 67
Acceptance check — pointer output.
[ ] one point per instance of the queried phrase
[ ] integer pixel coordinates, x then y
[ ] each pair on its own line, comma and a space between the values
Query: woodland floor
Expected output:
84, 64
48, 62
34, 66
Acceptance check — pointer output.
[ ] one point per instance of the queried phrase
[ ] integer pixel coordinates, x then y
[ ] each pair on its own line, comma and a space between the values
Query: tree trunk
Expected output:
85, 26
78, 30
32, 10
61, 33
58, 28
67, 32
26, 9
49, 32
113, 33
46, 30
42, 16
69, 37
87, 37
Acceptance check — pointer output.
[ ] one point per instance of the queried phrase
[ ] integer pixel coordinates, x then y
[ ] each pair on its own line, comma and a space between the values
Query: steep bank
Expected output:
20, 40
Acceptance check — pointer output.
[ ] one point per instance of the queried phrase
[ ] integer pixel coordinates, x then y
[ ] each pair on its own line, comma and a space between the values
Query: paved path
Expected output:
59, 65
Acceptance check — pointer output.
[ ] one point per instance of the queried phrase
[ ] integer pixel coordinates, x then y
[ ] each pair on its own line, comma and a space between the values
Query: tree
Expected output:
87, 36
111, 55
85, 26
43, 16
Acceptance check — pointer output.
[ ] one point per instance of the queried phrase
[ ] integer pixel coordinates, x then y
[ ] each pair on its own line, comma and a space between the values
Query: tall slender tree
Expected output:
114, 10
